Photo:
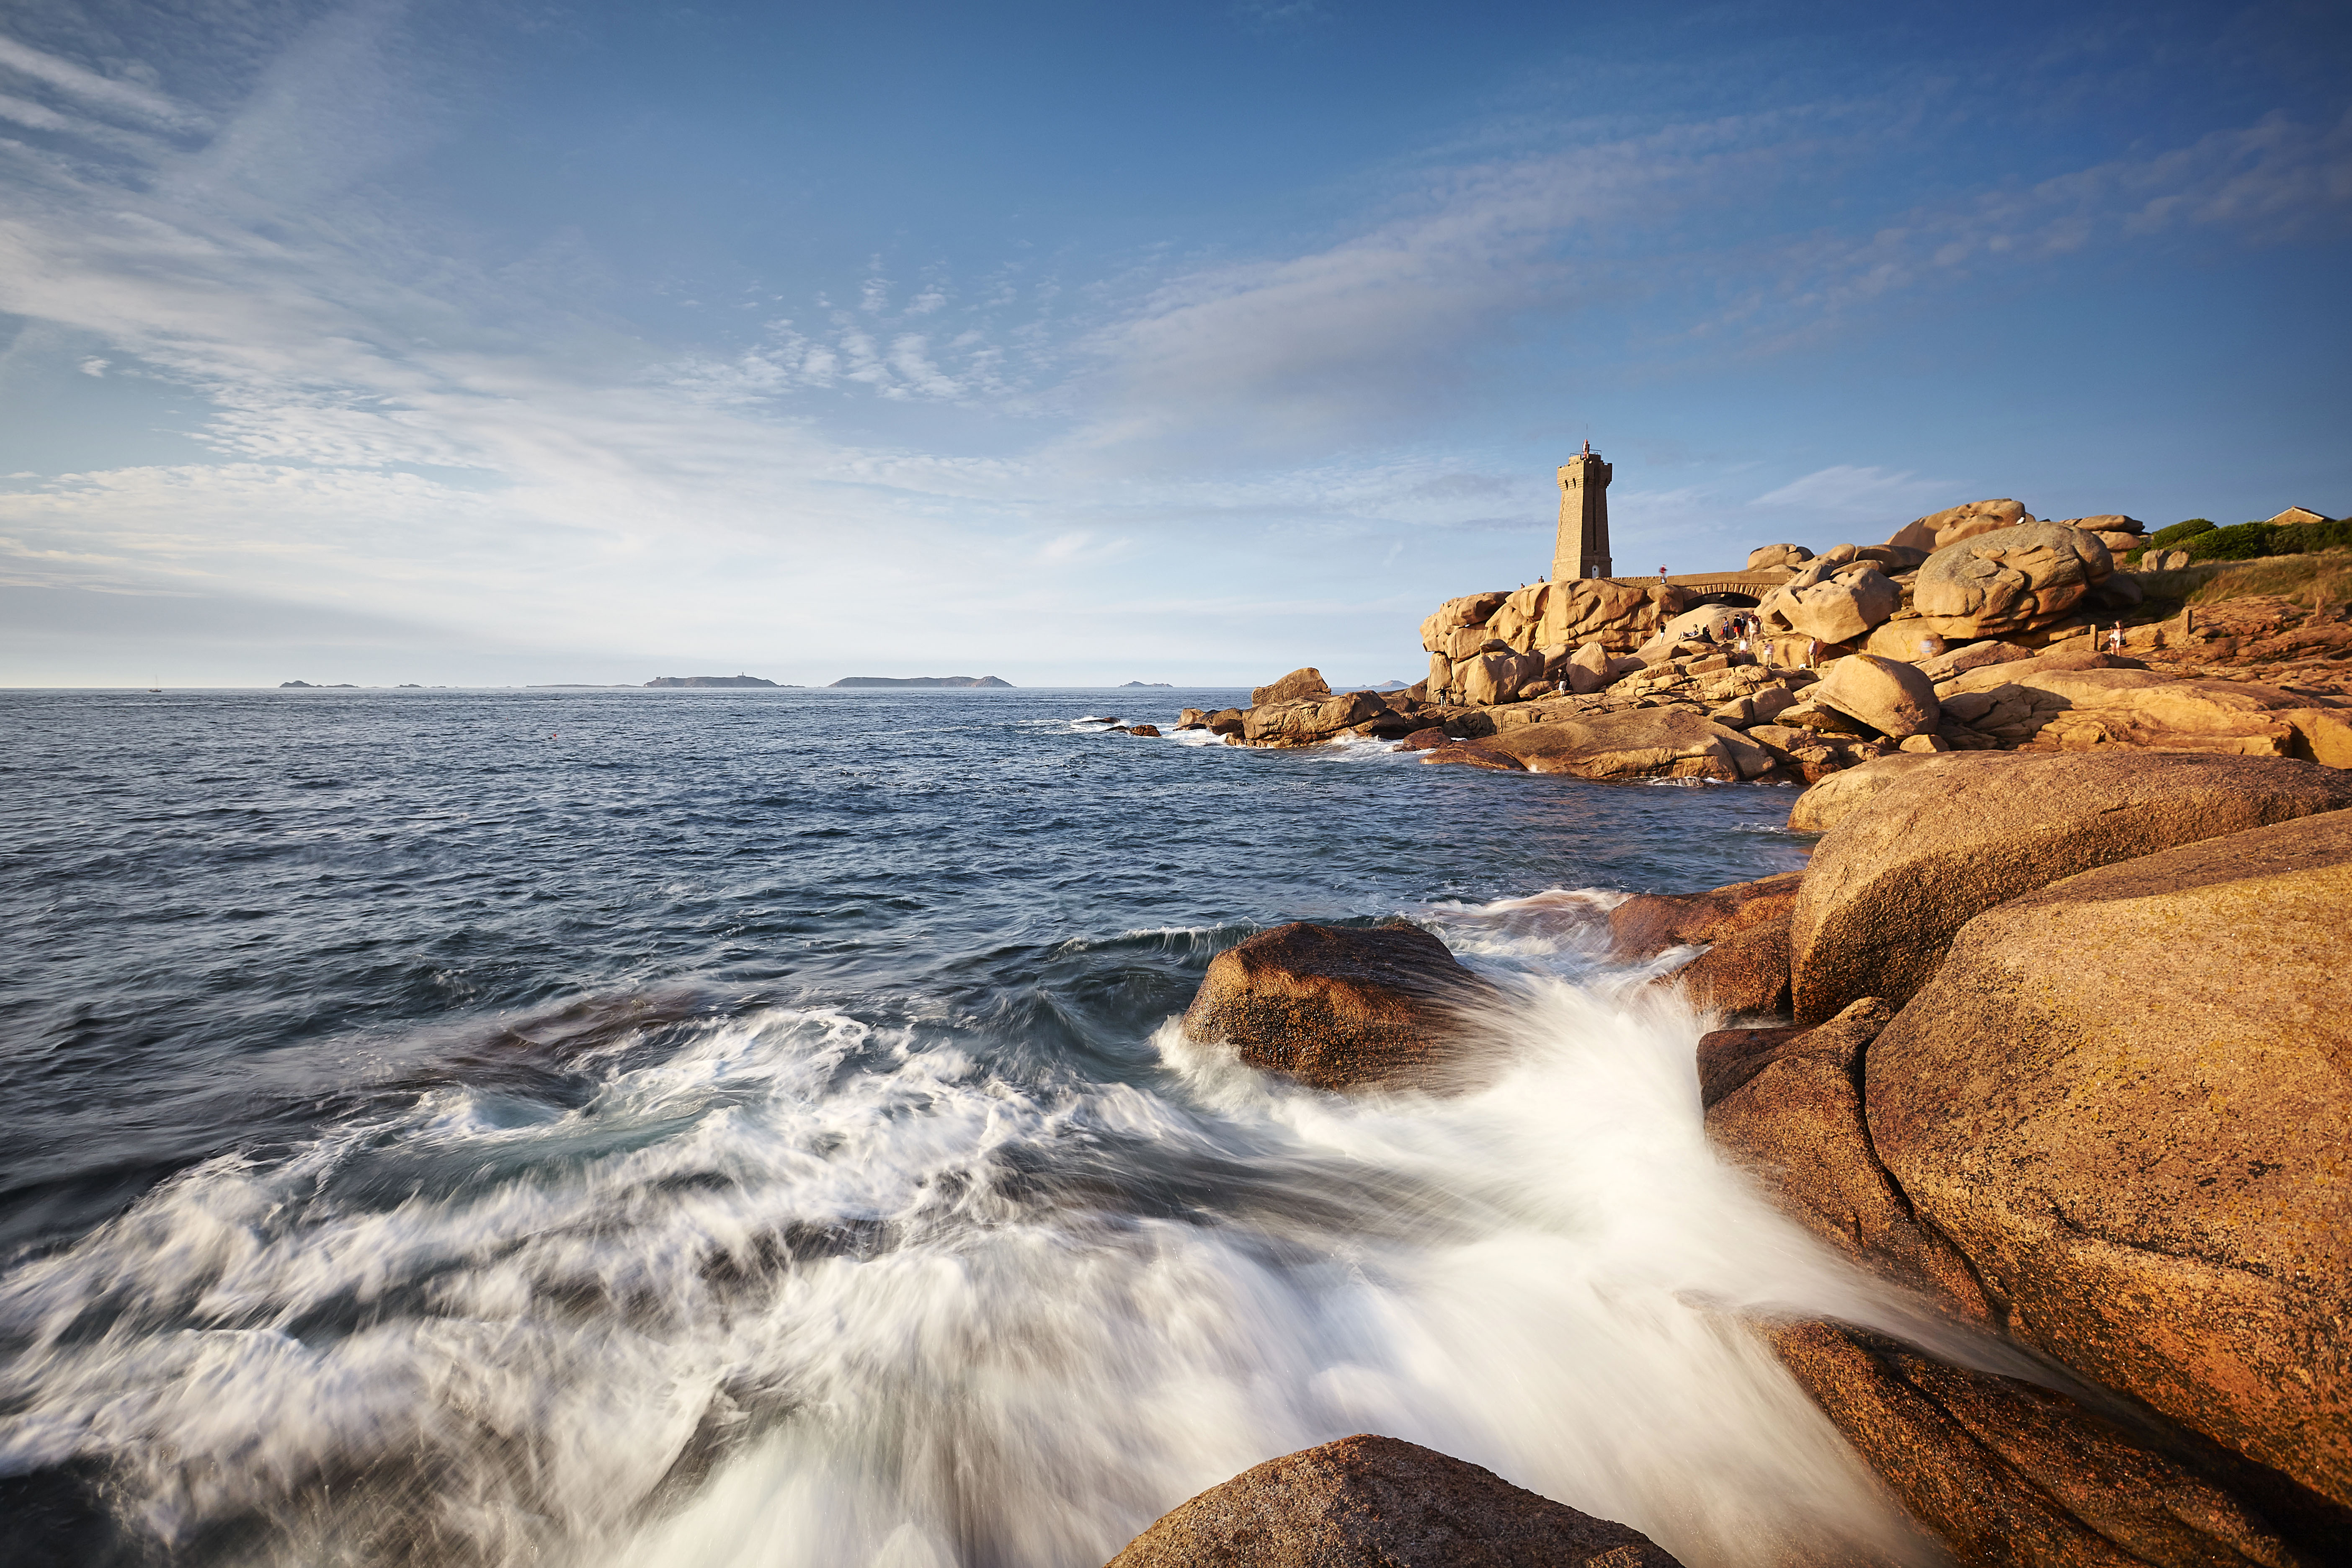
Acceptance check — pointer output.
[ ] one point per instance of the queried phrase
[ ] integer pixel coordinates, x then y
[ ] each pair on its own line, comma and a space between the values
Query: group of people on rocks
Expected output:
1744, 631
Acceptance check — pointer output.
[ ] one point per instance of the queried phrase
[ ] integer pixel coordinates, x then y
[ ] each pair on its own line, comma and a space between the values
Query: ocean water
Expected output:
748, 1128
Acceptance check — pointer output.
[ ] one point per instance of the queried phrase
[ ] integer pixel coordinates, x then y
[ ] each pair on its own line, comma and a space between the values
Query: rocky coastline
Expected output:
1997, 633
2051, 1032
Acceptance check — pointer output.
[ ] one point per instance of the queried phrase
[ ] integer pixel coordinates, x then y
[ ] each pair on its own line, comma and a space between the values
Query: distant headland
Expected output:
671, 680
924, 681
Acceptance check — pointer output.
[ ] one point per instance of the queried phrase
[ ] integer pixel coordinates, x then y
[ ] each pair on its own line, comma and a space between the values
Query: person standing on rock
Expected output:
1813, 654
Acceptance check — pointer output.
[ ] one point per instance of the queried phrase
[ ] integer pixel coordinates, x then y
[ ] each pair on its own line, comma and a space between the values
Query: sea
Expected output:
752, 1128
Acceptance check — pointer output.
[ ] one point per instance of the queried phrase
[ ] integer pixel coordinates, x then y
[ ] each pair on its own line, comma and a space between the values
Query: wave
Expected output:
810, 1290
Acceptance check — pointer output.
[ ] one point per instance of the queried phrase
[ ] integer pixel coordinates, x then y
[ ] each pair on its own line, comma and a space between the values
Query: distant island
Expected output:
1151, 685
923, 681
669, 680
306, 686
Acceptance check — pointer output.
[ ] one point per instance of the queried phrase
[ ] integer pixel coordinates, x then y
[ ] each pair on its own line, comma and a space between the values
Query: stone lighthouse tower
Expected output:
1583, 547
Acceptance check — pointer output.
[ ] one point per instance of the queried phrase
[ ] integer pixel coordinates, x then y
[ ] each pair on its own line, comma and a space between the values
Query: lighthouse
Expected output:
1583, 550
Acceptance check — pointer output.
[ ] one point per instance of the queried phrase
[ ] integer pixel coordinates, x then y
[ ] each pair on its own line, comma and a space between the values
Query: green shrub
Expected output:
2254, 540
2165, 538
2333, 535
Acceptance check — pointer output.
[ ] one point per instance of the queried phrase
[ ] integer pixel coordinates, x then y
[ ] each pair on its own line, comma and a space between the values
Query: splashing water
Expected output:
806, 1292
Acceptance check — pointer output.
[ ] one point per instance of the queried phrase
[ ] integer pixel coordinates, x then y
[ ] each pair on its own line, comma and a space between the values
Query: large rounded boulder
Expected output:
1908, 867
2009, 579
1891, 696
1341, 1007
1382, 1502
2127, 1098
1297, 686
1309, 721
1837, 606
1950, 526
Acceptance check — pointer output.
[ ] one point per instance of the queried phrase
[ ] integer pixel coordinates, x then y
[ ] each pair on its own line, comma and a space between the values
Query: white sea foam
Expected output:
1569, 923
804, 1293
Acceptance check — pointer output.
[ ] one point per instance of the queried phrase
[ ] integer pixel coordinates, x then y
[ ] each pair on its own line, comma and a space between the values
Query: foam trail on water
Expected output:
806, 1292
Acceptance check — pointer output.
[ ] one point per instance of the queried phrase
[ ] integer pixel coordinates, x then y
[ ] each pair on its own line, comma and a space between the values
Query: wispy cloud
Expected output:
1848, 493
462, 442
132, 100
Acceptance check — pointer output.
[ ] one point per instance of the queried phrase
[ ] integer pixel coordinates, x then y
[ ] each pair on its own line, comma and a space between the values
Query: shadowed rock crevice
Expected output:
2011, 1472
1787, 1105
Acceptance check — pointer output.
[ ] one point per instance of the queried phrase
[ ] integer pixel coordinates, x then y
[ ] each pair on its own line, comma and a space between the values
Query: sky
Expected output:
527, 341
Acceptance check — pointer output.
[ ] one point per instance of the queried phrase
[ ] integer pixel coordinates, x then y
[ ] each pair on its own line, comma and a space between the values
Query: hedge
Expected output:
2247, 541
2165, 538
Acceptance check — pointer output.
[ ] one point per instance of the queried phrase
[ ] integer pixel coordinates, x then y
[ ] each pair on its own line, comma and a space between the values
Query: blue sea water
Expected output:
748, 1126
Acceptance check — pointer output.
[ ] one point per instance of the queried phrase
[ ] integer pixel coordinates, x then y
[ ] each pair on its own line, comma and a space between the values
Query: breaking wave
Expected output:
806, 1290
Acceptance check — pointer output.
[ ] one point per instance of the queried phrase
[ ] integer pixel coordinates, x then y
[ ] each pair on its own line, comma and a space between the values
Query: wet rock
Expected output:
1894, 697
2009, 579
1380, 1502
1150, 730
1742, 975
1427, 739
2124, 1098
1297, 684
1310, 720
1644, 742
1341, 1007
1648, 923
1794, 1121
2009, 1472
1952, 836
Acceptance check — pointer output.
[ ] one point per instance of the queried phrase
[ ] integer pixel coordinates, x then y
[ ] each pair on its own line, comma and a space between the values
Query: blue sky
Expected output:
1080, 343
